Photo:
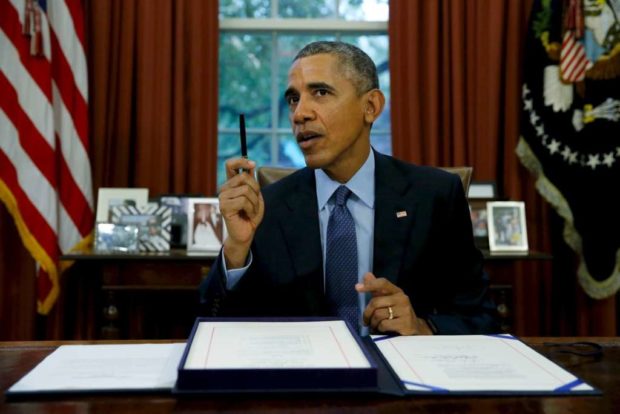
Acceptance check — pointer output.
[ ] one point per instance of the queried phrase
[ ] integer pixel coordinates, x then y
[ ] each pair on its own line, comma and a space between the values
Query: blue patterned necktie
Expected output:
341, 260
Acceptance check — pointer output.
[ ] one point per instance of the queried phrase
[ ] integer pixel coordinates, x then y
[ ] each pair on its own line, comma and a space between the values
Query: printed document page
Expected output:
256, 345
473, 363
104, 367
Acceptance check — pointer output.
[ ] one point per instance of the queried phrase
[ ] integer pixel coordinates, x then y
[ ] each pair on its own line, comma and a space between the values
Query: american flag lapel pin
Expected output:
401, 214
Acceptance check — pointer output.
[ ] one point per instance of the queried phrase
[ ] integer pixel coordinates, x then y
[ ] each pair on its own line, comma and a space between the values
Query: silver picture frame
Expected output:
116, 238
112, 197
507, 226
153, 221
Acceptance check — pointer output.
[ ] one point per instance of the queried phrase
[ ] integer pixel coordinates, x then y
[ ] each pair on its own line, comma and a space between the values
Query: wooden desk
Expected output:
18, 358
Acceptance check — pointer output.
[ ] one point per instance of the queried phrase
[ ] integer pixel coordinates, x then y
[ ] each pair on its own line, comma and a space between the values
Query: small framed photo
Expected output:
482, 190
112, 197
178, 204
116, 238
478, 214
205, 225
153, 223
507, 226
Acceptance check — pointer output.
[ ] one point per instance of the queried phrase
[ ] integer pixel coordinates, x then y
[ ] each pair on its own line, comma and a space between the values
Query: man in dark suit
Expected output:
404, 232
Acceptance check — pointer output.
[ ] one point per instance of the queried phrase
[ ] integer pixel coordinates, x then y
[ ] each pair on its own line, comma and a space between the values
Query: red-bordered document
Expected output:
274, 345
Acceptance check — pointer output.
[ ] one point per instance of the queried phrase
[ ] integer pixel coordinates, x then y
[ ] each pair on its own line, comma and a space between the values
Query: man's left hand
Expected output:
390, 310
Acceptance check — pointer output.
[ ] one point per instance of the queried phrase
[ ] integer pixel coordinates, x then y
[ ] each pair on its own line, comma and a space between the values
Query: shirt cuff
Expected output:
233, 276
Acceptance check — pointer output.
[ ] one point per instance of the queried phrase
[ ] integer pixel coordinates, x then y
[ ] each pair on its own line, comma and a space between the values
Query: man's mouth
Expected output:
307, 136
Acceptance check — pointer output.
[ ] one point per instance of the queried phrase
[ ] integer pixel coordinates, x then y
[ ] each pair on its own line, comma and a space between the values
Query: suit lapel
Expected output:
301, 228
394, 218
395, 208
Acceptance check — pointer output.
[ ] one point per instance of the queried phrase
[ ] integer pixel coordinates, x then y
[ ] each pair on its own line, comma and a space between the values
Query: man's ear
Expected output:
375, 102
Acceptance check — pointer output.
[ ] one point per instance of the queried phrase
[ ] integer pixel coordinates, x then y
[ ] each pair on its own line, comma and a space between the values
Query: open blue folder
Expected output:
398, 379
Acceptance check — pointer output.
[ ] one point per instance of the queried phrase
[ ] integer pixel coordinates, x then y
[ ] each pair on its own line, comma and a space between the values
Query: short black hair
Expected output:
358, 67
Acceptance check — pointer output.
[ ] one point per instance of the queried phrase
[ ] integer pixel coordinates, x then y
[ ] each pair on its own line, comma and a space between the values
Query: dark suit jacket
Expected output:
430, 253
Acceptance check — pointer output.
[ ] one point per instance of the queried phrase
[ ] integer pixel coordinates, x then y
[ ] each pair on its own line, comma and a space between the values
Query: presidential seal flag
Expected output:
45, 175
570, 128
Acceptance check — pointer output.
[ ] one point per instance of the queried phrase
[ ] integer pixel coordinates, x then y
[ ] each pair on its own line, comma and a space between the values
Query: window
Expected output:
258, 40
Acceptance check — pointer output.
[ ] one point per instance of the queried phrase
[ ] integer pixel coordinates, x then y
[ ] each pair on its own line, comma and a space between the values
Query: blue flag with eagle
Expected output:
570, 128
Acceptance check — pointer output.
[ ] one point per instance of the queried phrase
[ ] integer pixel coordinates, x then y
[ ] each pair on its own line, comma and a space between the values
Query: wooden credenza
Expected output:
135, 296
520, 287
155, 295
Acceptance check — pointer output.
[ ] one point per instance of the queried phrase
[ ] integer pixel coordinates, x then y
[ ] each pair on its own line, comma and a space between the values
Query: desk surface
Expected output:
17, 358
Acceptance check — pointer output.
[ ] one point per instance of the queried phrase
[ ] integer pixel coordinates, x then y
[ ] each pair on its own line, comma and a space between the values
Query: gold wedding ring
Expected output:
391, 312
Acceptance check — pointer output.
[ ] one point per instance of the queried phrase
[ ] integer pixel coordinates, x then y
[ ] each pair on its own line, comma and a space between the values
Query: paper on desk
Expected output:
243, 345
104, 368
473, 363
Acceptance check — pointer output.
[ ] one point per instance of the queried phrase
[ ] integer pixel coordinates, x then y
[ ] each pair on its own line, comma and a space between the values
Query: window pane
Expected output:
375, 10
381, 142
290, 155
259, 150
288, 46
245, 80
305, 9
245, 8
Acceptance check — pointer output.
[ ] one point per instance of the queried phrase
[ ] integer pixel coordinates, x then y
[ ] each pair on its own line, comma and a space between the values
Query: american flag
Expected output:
45, 174
573, 59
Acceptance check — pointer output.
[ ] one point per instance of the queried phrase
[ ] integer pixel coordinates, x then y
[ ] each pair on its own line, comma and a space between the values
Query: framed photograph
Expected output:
111, 197
482, 190
153, 223
178, 204
478, 214
116, 238
205, 225
507, 226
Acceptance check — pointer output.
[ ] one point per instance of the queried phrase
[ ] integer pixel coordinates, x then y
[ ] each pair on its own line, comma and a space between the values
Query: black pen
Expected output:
244, 144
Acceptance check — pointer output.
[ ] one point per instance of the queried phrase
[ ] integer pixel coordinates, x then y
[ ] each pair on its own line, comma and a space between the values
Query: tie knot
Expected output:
342, 194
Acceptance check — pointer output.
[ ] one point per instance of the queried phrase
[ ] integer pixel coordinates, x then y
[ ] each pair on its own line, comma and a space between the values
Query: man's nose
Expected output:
303, 111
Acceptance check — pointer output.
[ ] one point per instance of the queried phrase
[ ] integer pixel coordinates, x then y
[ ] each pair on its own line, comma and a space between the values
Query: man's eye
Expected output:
292, 100
321, 92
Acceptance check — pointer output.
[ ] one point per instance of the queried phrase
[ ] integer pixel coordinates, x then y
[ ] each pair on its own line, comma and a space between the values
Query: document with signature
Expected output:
470, 364
263, 355
76, 368
257, 345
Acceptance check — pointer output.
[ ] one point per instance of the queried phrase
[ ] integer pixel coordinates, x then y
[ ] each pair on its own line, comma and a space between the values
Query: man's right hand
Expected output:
242, 207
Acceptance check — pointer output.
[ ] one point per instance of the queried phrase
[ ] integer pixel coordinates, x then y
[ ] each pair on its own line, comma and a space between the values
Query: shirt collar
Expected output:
362, 184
